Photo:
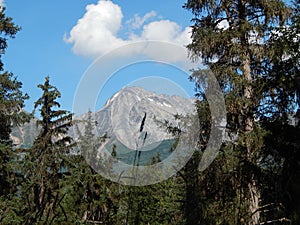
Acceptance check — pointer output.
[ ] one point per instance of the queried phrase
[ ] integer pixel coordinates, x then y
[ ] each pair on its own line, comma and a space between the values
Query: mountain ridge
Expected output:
121, 115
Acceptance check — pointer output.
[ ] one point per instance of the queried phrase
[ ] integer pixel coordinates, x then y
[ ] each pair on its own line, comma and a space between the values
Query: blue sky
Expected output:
64, 39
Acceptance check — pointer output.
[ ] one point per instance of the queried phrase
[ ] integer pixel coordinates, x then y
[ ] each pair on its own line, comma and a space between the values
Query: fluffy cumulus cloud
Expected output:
166, 30
97, 32
2, 3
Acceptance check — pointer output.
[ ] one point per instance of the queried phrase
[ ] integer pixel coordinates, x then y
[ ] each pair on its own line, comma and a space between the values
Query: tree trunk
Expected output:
252, 185
192, 210
254, 202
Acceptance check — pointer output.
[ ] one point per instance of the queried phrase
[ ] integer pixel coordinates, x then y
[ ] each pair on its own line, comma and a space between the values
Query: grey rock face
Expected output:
122, 115
120, 118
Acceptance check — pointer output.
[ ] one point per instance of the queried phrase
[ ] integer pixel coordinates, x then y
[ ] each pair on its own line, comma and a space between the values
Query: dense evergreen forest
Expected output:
255, 178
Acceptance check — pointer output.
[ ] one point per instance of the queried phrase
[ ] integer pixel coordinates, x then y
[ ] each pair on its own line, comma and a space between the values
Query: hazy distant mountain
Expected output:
23, 136
122, 115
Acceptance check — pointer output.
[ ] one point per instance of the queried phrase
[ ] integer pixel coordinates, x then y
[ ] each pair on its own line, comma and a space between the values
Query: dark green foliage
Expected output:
93, 198
257, 85
157, 204
46, 161
282, 146
7, 29
11, 97
11, 105
282, 140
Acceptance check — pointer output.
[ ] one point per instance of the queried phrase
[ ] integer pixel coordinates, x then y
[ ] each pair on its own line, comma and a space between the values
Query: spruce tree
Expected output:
11, 104
11, 113
232, 38
7, 29
46, 161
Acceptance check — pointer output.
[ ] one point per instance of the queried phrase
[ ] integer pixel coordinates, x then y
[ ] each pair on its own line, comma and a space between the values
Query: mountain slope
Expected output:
120, 118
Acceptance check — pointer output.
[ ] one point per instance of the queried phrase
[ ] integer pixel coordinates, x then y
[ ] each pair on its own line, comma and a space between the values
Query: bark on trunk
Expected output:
254, 203
253, 188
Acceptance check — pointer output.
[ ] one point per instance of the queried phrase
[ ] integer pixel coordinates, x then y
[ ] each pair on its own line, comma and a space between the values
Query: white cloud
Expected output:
2, 3
97, 32
136, 22
165, 30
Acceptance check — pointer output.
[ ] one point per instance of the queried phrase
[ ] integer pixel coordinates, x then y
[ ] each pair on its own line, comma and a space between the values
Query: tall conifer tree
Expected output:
11, 105
47, 159
232, 37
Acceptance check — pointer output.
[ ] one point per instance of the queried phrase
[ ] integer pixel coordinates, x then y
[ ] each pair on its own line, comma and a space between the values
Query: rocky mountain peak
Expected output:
122, 114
